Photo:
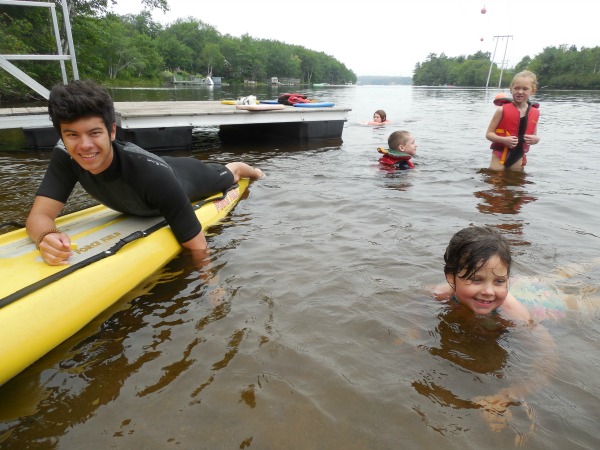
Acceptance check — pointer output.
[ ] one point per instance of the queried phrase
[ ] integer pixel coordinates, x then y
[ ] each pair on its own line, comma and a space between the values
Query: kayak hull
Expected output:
33, 323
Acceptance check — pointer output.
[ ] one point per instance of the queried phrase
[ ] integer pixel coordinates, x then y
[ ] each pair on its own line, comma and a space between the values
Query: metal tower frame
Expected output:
494, 57
70, 56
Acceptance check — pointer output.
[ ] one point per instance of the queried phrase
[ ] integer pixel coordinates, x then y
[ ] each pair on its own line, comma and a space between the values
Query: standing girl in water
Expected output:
512, 129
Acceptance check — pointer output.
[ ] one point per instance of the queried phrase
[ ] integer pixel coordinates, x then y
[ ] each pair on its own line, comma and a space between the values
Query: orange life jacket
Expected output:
509, 124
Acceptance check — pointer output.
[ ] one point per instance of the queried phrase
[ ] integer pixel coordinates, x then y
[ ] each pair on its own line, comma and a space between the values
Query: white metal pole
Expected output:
70, 39
503, 60
492, 62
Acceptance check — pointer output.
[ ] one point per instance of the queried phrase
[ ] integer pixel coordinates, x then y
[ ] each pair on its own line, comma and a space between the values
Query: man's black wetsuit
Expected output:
140, 183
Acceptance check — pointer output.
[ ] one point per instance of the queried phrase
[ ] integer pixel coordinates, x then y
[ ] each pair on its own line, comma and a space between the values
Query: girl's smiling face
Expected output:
486, 290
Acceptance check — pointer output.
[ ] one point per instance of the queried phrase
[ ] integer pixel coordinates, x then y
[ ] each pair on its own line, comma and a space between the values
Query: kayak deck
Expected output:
41, 306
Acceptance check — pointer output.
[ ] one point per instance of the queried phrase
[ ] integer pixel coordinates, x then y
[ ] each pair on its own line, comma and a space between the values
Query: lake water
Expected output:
311, 327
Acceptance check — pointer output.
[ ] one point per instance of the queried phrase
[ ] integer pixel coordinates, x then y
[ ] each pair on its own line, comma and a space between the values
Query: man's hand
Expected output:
55, 248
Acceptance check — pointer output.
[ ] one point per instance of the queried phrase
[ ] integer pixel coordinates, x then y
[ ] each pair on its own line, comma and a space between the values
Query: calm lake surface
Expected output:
311, 326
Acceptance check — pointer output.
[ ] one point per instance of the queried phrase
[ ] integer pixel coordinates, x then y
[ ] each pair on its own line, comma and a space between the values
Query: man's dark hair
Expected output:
470, 248
80, 99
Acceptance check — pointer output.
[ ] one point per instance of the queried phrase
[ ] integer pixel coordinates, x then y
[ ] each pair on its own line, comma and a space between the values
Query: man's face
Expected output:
89, 143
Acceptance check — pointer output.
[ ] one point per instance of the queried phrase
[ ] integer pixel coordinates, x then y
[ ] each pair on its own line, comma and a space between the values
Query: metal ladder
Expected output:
70, 56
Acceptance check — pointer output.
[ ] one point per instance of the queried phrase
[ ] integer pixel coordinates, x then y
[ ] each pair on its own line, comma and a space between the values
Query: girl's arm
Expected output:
532, 139
442, 292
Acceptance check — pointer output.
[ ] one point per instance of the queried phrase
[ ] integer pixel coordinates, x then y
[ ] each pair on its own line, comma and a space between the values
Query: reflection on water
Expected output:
308, 328
472, 342
507, 195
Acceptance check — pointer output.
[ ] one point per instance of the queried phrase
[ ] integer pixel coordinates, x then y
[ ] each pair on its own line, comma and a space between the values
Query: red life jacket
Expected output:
509, 124
394, 157
291, 99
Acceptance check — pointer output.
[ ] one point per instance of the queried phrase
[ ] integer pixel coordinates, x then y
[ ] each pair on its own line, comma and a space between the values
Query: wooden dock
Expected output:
169, 125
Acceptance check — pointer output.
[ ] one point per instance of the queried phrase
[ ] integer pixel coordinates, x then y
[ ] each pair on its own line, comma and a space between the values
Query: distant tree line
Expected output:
134, 50
562, 67
381, 79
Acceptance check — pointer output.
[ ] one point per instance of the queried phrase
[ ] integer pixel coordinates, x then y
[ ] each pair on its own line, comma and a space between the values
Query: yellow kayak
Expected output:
41, 306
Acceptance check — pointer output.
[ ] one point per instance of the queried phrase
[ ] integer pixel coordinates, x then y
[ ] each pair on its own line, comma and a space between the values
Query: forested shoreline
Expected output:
563, 67
133, 50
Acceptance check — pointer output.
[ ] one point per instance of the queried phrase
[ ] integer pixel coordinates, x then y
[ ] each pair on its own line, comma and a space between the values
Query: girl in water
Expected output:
513, 127
379, 118
477, 270
482, 314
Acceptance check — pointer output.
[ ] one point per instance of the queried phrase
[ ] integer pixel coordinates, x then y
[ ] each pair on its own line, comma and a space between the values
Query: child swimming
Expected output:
402, 148
477, 270
379, 118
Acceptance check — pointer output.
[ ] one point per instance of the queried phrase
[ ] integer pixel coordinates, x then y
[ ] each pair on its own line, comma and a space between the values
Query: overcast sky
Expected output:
388, 37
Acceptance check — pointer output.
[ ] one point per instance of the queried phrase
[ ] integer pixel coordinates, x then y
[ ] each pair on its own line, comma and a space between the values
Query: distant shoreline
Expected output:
383, 80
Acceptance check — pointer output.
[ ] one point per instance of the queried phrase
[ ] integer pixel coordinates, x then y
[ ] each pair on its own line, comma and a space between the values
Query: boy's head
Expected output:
80, 99
470, 248
402, 141
527, 76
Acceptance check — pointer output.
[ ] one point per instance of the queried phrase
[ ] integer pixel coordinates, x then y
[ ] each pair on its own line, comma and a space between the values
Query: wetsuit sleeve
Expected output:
164, 192
179, 213
59, 179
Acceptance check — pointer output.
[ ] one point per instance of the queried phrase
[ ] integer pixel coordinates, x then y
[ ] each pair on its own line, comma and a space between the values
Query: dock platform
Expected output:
169, 124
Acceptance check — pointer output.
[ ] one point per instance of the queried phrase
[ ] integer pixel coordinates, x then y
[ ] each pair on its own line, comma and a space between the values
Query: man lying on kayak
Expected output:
120, 175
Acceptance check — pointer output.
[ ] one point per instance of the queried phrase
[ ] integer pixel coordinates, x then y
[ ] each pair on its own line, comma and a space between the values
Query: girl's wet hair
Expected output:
80, 99
382, 114
470, 248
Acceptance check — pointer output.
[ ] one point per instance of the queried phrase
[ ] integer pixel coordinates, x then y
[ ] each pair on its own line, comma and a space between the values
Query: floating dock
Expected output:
169, 124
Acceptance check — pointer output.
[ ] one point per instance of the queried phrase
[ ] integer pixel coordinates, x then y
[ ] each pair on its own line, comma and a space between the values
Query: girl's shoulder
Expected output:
441, 292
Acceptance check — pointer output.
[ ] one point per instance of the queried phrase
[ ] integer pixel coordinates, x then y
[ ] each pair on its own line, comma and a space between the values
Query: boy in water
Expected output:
402, 148
120, 175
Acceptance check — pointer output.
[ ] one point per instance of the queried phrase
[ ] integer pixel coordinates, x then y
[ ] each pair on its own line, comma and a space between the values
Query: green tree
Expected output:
212, 57
308, 62
99, 8
174, 53
232, 52
144, 24
133, 48
120, 53
523, 64
433, 72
